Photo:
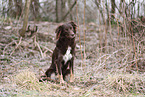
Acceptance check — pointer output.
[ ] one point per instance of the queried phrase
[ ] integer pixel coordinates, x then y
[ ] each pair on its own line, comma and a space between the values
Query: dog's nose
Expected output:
73, 35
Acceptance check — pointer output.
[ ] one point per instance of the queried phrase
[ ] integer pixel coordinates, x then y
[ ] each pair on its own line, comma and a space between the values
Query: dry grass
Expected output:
133, 83
27, 80
111, 85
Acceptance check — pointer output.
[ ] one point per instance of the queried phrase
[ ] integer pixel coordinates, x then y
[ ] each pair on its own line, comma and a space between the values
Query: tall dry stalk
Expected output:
128, 29
106, 30
118, 31
100, 34
110, 28
84, 33
79, 32
134, 47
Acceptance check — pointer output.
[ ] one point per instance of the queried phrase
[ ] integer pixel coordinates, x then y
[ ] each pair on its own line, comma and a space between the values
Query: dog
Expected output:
64, 52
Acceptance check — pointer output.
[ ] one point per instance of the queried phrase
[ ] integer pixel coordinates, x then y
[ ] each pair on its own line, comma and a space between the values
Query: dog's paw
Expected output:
61, 80
71, 78
42, 78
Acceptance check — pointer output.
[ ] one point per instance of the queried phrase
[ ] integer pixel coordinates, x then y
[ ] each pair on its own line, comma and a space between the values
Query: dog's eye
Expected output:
66, 30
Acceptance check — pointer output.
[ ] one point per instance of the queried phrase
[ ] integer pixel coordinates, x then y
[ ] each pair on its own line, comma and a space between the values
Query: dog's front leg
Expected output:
71, 70
59, 70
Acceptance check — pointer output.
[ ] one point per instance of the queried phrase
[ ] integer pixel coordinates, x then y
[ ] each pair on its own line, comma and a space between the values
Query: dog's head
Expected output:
67, 30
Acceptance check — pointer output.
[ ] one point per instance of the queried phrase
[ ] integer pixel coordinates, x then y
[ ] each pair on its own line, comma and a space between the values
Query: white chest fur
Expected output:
67, 55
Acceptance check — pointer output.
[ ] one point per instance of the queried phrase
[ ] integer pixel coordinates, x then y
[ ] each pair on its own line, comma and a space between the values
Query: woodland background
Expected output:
110, 50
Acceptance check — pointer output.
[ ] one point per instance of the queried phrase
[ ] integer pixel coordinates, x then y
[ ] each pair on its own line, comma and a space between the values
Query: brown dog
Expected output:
63, 54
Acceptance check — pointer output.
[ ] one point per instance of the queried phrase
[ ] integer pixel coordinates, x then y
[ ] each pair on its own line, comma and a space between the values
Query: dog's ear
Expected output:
74, 25
58, 32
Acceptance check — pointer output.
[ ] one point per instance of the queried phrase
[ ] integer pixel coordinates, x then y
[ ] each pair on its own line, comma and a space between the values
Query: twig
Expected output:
20, 62
39, 48
17, 45
109, 55
7, 46
47, 49
2, 44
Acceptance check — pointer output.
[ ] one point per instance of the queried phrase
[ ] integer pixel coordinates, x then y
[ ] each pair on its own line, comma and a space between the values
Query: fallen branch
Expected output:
17, 45
7, 46
38, 47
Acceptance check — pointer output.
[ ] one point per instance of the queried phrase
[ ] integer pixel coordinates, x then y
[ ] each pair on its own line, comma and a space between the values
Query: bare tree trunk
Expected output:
35, 9
112, 9
18, 6
63, 18
120, 6
27, 5
10, 13
63, 8
3, 8
132, 11
69, 3
138, 10
97, 2
58, 10
107, 12
144, 9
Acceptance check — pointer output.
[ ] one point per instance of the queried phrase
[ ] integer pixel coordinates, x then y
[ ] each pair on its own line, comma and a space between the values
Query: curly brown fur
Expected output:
64, 52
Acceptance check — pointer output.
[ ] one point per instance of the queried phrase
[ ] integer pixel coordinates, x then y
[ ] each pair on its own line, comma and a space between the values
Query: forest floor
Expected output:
109, 70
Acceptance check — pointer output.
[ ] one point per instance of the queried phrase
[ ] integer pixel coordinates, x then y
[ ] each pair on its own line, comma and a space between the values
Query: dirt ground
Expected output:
99, 70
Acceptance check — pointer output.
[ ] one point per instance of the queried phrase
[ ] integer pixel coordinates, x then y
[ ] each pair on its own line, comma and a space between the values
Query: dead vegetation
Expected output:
112, 69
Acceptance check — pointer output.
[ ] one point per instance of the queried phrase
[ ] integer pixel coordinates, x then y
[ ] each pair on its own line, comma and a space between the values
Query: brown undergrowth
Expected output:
106, 70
